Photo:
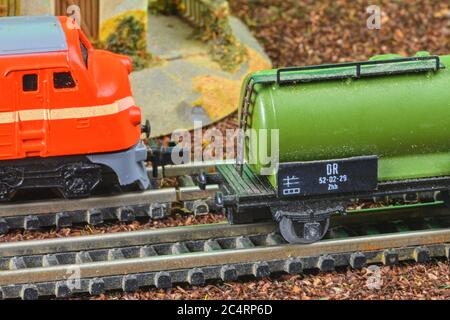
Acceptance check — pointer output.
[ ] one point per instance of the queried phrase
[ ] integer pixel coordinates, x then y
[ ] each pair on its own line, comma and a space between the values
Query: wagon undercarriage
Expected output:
250, 198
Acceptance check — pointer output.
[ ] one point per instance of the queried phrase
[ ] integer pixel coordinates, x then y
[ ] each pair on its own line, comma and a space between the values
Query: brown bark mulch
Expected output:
177, 220
430, 281
314, 32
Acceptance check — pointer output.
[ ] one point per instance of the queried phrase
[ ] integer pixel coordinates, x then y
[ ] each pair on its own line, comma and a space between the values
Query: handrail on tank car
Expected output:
359, 66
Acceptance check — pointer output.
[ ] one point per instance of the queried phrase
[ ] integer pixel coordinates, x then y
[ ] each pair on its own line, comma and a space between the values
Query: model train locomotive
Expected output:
67, 115
346, 131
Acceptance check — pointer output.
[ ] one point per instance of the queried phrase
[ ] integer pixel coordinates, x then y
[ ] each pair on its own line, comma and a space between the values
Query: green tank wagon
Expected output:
346, 131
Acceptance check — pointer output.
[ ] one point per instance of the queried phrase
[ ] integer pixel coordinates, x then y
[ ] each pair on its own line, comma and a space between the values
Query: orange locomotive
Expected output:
67, 115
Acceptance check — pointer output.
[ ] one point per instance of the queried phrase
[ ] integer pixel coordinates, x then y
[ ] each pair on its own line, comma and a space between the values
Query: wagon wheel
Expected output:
445, 195
303, 232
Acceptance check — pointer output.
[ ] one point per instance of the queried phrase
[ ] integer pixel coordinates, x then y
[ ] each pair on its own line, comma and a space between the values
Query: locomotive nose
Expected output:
127, 62
135, 116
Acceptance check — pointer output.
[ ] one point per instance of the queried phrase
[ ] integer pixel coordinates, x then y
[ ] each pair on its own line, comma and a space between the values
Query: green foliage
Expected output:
225, 48
214, 28
167, 7
130, 39
228, 53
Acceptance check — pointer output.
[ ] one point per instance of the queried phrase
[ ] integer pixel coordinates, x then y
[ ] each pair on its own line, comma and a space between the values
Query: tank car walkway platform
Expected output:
248, 184
187, 85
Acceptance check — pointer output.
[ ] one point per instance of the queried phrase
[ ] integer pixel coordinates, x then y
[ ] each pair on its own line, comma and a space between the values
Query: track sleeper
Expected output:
94, 217
196, 277
326, 263
96, 287
31, 223
158, 211
261, 270
293, 266
83, 257
358, 260
29, 292
179, 248
115, 254
228, 273
390, 258
147, 251
274, 239
17, 263
200, 208
163, 280
125, 214
62, 290
130, 283
50, 260
421, 255
4, 228
211, 245
447, 252
244, 243
63, 220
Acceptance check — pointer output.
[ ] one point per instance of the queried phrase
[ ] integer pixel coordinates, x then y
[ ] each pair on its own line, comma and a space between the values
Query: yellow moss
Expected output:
204, 61
109, 26
220, 96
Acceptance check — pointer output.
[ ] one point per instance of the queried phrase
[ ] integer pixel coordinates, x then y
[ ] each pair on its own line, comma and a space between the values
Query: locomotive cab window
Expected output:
63, 80
30, 82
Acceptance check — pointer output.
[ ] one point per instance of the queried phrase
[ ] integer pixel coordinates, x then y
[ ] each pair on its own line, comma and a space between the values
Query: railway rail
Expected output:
153, 204
194, 255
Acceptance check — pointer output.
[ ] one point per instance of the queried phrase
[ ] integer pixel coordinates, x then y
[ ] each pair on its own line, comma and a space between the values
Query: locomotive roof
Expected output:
25, 35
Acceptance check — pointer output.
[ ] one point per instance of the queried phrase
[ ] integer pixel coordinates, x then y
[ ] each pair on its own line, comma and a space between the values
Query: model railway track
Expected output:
194, 255
153, 204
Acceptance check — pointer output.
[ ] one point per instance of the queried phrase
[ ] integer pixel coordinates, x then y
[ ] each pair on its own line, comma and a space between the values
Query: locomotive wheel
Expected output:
6, 193
445, 195
303, 232
79, 181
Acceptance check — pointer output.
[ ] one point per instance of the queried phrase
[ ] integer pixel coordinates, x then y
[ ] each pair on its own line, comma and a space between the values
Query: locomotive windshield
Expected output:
84, 53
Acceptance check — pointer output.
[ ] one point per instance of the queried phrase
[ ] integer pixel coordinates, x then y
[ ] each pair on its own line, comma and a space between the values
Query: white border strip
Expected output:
67, 113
